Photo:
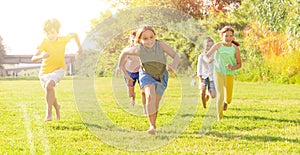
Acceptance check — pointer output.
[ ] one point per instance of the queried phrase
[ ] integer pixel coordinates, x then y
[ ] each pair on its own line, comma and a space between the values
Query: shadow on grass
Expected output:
297, 122
255, 109
161, 134
263, 138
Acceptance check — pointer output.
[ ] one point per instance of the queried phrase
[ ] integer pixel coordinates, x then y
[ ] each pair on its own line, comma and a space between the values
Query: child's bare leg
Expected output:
50, 98
131, 95
204, 97
212, 93
57, 109
151, 107
144, 103
152, 118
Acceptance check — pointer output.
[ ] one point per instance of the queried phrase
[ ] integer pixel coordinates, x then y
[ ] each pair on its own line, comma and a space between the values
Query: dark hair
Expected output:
133, 32
228, 28
140, 31
51, 24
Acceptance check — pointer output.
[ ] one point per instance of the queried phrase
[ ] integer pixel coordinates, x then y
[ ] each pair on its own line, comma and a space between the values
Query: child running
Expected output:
153, 74
52, 53
205, 73
227, 61
132, 67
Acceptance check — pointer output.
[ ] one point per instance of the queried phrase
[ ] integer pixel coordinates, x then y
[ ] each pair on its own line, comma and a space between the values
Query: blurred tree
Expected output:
2, 51
196, 8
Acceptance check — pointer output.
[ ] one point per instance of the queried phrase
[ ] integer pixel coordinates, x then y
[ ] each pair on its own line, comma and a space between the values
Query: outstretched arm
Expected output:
171, 53
211, 52
199, 66
118, 70
76, 38
38, 56
122, 59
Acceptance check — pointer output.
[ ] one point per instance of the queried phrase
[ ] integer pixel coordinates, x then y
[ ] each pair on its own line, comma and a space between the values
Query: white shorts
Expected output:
55, 76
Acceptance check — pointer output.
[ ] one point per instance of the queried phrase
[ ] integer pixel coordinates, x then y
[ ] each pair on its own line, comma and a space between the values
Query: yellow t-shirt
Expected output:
56, 50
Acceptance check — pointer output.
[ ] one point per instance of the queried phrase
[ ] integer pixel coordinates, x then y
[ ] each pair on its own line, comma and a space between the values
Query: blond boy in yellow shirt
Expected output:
52, 53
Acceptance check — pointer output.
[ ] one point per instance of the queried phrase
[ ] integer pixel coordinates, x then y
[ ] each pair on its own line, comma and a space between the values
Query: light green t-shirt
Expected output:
225, 55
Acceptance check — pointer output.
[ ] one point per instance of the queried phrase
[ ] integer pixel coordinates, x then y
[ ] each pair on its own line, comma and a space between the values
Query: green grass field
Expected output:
263, 118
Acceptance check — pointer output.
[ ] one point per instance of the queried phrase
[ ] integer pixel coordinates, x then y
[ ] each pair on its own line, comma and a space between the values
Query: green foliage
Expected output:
108, 59
263, 27
270, 40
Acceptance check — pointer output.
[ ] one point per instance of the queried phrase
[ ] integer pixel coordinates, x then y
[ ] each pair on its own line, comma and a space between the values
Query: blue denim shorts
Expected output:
134, 76
160, 86
209, 84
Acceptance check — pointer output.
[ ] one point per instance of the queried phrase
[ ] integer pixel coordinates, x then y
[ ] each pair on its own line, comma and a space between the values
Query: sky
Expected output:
22, 20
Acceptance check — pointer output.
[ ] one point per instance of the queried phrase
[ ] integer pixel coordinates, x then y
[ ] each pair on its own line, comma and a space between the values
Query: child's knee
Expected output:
212, 94
203, 91
150, 97
50, 85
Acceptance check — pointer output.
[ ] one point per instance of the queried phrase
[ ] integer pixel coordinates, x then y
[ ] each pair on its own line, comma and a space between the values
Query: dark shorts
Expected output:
134, 76
209, 84
160, 86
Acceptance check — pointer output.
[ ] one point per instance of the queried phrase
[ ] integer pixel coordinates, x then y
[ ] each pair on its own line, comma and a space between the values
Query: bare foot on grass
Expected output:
57, 109
48, 118
151, 130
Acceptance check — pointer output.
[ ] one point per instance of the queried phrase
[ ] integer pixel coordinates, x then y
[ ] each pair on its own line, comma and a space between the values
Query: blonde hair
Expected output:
51, 24
226, 29
206, 40
140, 31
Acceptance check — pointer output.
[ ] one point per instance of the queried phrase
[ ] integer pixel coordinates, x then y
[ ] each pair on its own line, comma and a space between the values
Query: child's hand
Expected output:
129, 80
230, 66
45, 55
79, 52
170, 67
211, 60
118, 71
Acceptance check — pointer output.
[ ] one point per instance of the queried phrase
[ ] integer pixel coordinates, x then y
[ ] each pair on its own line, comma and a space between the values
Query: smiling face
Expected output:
227, 37
52, 35
148, 38
208, 44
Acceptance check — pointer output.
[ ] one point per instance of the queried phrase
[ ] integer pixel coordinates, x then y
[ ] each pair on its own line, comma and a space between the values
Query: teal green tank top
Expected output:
225, 55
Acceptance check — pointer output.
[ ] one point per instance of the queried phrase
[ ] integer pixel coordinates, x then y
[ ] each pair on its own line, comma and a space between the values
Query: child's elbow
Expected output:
73, 35
239, 65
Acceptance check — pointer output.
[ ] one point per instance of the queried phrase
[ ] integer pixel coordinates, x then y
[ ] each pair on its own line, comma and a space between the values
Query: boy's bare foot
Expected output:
225, 106
151, 130
48, 118
132, 102
57, 112
204, 104
207, 98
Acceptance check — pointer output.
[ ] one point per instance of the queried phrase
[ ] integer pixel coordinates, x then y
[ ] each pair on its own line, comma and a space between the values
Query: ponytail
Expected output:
235, 43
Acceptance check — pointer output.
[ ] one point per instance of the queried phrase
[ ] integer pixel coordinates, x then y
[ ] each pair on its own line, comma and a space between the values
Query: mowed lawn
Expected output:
263, 118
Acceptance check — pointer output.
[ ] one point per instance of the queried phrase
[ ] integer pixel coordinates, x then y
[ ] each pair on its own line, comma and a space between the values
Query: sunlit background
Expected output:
22, 20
